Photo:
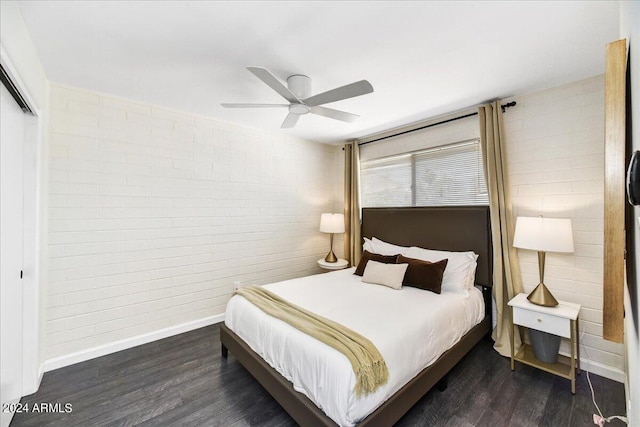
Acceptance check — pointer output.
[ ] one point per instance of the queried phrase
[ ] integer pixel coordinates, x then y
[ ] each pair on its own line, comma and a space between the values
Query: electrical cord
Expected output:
598, 419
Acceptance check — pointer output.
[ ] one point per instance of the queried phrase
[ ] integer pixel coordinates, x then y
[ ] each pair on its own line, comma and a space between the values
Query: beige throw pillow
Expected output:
390, 275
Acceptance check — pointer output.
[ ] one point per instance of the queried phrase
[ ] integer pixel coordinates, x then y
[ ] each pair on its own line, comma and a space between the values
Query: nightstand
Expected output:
338, 265
560, 320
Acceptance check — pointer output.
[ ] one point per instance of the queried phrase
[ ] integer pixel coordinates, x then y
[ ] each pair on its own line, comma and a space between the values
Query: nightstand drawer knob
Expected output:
539, 320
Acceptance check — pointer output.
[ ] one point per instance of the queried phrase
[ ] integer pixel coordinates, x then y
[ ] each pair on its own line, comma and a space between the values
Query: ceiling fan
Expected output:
298, 91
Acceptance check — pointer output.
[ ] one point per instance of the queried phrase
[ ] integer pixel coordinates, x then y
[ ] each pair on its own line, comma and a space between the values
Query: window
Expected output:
442, 176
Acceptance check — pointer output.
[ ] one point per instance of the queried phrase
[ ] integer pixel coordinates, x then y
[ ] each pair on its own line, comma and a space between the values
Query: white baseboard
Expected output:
32, 388
597, 368
102, 350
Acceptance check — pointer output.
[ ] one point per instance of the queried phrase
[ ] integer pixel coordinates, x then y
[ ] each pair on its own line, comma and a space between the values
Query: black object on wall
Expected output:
633, 179
631, 212
13, 90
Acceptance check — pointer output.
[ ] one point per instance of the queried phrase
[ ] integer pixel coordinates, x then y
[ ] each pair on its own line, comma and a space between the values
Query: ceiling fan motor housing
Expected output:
300, 85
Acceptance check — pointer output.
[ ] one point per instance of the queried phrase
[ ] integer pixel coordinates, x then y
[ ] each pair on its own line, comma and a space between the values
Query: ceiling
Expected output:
423, 59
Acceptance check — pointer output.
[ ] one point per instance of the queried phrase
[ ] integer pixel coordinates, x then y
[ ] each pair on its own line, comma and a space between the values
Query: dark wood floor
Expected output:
183, 381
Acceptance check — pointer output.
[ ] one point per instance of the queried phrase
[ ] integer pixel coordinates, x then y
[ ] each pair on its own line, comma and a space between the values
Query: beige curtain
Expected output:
352, 238
506, 269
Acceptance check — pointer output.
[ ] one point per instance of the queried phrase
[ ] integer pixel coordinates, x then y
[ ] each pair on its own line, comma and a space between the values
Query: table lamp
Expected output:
543, 235
331, 223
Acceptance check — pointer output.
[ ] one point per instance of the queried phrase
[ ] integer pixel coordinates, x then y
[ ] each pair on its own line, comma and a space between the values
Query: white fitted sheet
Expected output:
410, 327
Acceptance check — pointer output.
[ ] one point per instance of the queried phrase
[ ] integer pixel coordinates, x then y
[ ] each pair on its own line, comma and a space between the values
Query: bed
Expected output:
445, 228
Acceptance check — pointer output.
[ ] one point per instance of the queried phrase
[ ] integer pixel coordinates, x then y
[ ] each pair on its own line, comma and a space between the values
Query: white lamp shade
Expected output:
543, 234
332, 223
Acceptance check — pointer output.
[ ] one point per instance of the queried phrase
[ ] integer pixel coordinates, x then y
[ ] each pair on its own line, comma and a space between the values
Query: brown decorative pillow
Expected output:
368, 256
423, 274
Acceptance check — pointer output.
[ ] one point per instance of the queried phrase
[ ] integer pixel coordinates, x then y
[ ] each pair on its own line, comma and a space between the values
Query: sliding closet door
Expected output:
12, 123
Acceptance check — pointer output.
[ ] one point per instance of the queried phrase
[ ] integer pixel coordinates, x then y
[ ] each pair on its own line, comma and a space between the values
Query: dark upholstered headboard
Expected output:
461, 228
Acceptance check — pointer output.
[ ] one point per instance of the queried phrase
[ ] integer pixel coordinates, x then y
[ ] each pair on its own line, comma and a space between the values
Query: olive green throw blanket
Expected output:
367, 362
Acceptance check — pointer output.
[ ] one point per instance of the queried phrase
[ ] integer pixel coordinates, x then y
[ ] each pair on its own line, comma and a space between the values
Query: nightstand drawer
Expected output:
542, 322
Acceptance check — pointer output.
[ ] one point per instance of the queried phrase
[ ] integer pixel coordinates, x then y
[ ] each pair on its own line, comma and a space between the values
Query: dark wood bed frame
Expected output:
446, 228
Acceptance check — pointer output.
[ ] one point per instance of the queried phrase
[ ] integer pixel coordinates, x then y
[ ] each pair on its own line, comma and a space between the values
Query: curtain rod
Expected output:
504, 106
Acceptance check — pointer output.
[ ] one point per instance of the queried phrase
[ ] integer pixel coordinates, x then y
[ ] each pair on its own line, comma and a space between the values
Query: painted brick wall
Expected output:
154, 214
555, 151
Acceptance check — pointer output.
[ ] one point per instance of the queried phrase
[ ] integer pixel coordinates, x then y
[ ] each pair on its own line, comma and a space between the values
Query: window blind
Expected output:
448, 175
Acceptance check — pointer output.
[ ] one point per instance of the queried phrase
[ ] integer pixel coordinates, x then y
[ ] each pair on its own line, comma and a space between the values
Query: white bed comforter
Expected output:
411, 328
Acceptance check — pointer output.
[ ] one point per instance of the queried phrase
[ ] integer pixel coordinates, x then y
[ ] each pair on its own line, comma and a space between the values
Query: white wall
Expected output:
555, 152
17, 42
629, 29
20, 58
154, 214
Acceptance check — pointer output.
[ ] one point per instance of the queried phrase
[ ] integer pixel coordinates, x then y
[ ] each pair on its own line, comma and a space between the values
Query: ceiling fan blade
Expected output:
254, 105
334, 114
290, 121
275, 84
344, 92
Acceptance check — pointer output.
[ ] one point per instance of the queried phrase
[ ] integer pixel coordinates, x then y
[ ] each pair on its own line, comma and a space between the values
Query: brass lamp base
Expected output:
542, 296
331, 257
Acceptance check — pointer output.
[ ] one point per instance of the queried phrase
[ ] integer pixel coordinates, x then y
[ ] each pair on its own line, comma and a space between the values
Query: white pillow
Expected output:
390, 275
459, 275
472, 272
367, 246
383, 248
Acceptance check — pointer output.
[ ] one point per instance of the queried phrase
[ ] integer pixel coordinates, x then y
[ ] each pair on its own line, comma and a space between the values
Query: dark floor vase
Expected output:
545, 346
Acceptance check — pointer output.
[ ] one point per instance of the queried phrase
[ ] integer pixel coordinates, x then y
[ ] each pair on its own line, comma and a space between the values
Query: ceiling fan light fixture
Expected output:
298, 109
